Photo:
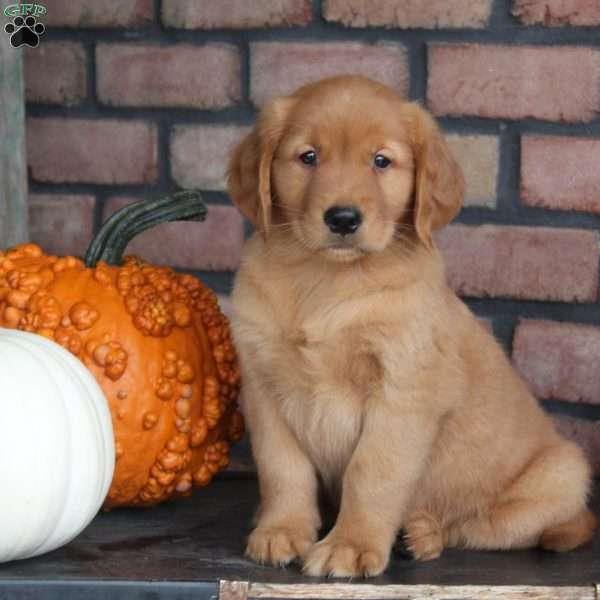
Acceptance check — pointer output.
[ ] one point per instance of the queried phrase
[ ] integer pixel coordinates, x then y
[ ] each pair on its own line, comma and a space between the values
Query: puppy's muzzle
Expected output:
343, 220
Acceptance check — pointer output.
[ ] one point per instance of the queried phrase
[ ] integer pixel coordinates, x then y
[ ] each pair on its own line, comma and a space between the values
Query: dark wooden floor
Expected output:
191, 544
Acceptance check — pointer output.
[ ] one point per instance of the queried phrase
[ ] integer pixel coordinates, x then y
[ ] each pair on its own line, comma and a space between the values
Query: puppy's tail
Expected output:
568, 536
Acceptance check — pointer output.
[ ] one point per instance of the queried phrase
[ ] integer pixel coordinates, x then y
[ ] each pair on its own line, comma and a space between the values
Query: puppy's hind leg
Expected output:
544, 506
570, 535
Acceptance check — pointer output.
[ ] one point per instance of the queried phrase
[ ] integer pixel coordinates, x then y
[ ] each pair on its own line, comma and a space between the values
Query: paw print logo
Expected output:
24, 31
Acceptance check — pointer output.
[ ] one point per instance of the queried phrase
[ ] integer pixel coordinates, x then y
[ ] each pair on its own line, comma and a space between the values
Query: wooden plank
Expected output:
335, 591
233, 590
13, 165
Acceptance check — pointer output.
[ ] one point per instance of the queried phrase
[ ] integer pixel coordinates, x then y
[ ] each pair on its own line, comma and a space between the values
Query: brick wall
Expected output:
136, 98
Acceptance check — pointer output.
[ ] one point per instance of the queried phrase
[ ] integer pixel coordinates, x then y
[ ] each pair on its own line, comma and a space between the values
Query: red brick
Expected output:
554, 13
199, 154
98, 13
61, 224
236, 14
280, 68
55, 73
404, 14
85, 151
550, 83
478, 156
214, 245
585, 433
560, 173
533, 263
177, 75
559, 360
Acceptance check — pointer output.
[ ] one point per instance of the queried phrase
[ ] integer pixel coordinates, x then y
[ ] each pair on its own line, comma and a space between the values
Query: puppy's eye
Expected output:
381, 161
309, 157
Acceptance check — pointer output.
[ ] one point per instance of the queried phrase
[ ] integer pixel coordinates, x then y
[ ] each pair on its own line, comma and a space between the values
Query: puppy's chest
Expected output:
324, 381
325, 361
321, 407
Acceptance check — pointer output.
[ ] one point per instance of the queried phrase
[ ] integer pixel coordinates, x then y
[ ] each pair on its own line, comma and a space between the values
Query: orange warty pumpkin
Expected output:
155, 340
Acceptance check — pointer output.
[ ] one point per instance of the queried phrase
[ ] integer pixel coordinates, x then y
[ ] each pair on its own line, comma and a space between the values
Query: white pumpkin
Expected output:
56, 445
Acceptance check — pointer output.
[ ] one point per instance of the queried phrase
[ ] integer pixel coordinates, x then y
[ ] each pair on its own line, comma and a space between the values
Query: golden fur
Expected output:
362, 371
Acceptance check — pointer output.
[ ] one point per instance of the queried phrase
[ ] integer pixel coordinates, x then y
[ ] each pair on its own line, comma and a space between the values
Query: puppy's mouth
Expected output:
343, 249
335, 247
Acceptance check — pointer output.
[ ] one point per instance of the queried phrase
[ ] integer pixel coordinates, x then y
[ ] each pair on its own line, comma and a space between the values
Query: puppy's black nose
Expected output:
342, 219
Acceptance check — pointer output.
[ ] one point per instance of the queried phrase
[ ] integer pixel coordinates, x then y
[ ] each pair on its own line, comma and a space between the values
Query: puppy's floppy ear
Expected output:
249, 173
439, 182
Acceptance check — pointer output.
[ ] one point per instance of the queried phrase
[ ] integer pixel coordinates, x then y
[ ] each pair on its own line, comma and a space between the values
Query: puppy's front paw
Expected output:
423, 536
338, 557
278, 546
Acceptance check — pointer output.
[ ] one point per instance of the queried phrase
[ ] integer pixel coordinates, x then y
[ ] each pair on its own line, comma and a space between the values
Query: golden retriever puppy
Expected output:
362, 371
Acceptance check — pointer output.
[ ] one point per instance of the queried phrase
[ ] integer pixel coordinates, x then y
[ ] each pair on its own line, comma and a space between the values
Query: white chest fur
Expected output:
324, 413
319, 380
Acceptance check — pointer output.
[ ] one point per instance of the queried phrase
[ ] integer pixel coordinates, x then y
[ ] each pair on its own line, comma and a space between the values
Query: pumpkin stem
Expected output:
121, 227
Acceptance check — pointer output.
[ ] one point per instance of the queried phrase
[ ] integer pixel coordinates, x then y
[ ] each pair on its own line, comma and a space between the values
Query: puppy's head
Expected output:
348, 168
